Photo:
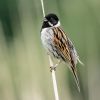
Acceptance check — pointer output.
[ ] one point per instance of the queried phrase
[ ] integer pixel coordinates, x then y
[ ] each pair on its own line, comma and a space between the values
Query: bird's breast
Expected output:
47, 37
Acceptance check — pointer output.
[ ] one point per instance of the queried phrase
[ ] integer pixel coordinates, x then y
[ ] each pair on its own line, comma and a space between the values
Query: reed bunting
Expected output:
57, 44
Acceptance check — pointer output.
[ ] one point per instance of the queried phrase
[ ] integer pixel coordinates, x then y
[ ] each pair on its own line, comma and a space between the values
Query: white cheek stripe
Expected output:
50, 24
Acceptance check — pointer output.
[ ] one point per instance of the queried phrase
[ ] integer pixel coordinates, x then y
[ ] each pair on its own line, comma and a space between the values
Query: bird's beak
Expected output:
45, 20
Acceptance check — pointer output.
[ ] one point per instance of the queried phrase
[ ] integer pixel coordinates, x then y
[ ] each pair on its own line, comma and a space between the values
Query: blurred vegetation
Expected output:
24, 66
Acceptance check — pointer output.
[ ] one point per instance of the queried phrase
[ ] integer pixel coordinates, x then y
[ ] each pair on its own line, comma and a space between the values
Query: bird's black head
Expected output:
50, 20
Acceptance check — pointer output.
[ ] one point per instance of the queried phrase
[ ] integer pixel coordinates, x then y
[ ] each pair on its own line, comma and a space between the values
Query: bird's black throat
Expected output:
45, 24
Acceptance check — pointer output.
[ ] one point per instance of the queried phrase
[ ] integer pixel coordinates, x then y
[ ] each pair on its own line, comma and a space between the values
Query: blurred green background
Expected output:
24, 65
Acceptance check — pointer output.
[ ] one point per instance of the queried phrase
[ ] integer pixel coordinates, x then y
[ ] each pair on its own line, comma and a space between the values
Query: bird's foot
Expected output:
52, 68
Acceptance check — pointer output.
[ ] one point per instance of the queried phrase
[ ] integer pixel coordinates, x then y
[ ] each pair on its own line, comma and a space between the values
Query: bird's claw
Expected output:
52, 68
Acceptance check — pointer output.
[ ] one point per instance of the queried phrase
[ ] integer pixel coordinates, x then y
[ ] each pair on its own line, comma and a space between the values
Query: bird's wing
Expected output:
74, 52
59, 42
66, 50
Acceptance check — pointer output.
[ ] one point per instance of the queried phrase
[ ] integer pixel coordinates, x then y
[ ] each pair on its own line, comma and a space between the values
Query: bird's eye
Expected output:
53, 21
45, 20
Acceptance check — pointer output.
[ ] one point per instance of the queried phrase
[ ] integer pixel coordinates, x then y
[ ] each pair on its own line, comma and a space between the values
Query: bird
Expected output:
58, 44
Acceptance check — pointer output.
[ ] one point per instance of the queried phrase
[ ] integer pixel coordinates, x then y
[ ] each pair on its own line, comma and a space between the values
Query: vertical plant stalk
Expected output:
42, 4
54, 79
51, 65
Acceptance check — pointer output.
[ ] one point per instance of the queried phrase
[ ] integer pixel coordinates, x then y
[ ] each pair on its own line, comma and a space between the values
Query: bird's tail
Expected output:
76, 77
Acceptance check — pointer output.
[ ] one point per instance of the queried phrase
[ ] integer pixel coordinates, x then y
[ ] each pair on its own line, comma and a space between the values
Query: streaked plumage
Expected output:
57, 43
